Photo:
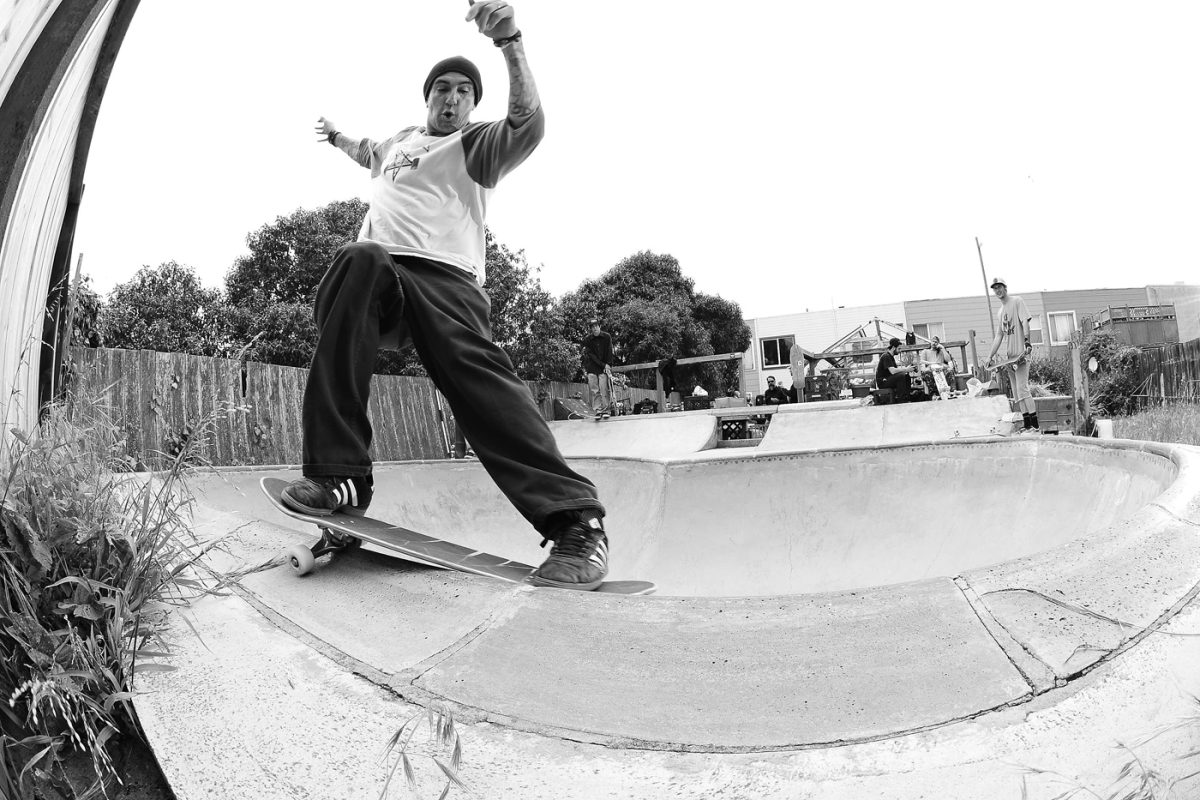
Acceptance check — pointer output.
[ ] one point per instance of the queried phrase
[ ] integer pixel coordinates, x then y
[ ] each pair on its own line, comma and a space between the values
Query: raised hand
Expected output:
324, 128
495, 18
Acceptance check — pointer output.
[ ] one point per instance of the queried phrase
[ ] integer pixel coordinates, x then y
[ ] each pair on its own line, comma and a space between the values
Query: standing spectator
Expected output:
1013, 335
597, 365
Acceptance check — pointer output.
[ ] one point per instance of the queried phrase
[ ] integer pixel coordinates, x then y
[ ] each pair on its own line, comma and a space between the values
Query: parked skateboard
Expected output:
939, 380
345, 532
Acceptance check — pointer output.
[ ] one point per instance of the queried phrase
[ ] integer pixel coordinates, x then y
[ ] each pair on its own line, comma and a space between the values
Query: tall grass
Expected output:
1177, 423
93, 557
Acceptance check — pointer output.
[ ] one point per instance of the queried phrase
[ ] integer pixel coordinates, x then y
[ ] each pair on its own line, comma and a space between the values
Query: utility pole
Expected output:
987, 290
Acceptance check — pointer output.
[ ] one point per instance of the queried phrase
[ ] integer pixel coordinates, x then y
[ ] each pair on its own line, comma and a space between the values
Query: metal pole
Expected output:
987, 290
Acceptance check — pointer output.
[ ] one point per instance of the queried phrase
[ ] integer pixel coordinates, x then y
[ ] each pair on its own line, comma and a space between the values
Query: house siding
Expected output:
813, 330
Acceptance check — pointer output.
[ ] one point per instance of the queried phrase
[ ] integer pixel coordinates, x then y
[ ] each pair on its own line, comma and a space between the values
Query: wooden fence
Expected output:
249, 414
1168, 373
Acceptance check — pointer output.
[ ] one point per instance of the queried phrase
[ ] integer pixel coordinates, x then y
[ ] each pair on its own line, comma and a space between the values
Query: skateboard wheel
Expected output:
301, 559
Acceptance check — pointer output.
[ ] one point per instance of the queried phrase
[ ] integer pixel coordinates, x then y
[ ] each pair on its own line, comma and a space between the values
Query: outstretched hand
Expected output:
325, 128
495, 18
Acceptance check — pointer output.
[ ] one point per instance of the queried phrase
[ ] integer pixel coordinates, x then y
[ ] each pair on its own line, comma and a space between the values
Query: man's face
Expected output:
595, 328
770, 383
1000, 290
451, 101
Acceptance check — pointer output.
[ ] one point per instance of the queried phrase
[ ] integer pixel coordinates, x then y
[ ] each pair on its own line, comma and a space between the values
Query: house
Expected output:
1056, 316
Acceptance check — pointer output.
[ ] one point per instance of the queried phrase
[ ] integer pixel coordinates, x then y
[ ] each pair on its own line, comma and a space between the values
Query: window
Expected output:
1035, 330
777, 352
930, 330
1062, 325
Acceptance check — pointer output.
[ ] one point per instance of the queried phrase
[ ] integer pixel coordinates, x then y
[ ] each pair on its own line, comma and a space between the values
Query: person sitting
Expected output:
935, 357
890, 376
775, 394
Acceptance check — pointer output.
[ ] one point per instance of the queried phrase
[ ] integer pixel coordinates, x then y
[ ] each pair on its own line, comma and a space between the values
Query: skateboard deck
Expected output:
344, 531
1008, 362
939, 380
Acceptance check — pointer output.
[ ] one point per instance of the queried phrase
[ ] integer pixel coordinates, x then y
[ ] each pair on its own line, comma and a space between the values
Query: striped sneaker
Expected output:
578, 559
322, 496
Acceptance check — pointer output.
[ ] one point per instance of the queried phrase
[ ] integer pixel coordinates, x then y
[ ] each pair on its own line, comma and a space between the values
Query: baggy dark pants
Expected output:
366, 291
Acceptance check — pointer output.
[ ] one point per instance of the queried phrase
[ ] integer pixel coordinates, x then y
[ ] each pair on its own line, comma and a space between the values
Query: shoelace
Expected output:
575, 541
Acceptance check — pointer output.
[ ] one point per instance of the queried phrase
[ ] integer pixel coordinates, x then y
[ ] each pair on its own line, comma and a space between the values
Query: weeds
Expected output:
93, 557
1179, 424
1136, 779
443, 739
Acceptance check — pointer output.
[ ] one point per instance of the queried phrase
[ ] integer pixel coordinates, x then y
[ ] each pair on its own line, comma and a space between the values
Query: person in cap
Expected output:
414, 277
597, 366
1012, 336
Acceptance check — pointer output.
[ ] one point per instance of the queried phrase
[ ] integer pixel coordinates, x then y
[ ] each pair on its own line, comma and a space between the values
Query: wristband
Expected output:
516, 37
332, 136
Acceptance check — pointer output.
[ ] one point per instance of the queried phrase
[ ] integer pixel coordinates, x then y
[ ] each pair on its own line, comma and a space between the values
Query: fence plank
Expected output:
150, 395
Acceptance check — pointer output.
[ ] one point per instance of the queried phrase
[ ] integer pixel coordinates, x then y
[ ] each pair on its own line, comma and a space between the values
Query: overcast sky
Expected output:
791, 155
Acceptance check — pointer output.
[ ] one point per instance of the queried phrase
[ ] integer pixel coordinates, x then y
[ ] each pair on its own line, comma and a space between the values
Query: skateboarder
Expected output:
1013, 335
414, 276
597, 365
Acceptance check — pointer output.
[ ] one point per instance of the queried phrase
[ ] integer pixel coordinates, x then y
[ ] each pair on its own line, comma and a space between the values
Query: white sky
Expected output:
791, 155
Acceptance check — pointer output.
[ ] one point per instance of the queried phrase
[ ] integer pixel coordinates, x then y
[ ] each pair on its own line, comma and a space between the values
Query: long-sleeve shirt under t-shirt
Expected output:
429, 194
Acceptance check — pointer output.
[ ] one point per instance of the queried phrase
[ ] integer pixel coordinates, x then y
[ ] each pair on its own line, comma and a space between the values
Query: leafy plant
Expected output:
1052, 373
1113, 385
92, 559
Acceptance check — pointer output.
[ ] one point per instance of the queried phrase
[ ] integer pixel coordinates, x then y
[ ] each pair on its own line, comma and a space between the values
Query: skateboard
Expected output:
346, 532
939, 381
1008, 362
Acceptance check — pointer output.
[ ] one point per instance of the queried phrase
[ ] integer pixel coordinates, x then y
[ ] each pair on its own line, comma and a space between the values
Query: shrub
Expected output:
1113, 385
92, 557
1052, 373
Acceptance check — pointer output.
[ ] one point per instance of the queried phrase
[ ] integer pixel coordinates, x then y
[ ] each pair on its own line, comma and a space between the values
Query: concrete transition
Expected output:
887, 620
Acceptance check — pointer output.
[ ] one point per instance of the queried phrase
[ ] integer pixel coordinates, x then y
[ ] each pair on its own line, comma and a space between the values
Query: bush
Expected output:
1051, 373
92, 557
1113, 384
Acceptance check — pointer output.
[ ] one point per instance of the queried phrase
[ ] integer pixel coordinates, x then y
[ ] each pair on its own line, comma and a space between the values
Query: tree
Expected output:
165, 308
289, 256
523, 317
653, 312
271, 290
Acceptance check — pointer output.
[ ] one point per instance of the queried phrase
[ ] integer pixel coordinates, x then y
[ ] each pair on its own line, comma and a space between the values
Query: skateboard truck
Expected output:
302, 559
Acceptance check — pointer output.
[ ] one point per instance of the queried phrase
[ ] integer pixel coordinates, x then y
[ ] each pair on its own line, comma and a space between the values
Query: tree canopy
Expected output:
164, 308
645, 301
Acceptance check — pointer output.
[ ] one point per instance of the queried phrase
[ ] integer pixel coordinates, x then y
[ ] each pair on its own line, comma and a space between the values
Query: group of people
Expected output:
898, 377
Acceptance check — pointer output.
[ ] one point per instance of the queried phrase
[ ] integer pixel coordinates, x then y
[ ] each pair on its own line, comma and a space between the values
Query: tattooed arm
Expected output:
496, 21
523, 98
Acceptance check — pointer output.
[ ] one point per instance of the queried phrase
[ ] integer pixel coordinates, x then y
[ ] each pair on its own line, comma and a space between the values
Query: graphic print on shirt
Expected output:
1007, 323
401, 160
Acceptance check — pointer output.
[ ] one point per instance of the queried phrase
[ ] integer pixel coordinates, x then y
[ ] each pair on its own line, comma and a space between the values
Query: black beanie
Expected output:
455, 64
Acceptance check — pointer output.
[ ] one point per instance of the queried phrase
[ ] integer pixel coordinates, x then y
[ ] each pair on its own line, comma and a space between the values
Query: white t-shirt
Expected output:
429, 194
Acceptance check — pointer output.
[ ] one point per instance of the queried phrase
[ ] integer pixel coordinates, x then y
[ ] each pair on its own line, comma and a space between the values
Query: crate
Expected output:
696, 403
734, 429
1055, 414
